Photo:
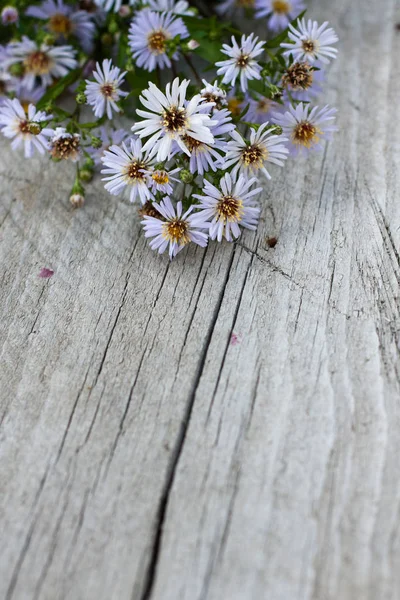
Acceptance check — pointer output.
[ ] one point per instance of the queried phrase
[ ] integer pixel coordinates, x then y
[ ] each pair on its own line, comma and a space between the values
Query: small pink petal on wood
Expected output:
235, 339
46, 273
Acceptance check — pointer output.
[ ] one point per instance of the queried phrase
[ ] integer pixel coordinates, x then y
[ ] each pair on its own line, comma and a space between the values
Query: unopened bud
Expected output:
89, 163
49, 40
186, 176
9, 15
193, 44
77, 200
34, 128
17, 69
96, 142
113, 27
81, 98
86, 175
107, 39
125, 11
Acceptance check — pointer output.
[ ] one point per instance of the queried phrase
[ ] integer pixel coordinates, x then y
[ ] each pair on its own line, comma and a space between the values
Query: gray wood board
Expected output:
225, 426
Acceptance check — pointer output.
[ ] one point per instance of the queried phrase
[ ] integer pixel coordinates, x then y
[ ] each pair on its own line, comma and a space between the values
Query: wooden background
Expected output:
227, 426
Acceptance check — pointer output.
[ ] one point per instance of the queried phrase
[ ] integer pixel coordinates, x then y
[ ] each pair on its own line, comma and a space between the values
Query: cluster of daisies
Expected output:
121, 88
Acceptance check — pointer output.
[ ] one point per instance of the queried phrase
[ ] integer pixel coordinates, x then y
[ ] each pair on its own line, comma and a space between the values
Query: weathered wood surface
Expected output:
143, 454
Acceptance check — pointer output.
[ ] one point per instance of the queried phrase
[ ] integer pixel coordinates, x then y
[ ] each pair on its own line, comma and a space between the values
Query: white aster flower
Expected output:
279, 12
148, 36
170, 117
103, 93
126, 168
63, 21
205, 156
24, 127
230, 206
251, 158
109, 137
311, 42
114, 5
306, 126
242, 61
41, 61
178, 7
160, 180
213, 93
176, 230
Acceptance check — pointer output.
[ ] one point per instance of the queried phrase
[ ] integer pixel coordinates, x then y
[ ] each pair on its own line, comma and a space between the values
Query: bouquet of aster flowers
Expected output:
179, 110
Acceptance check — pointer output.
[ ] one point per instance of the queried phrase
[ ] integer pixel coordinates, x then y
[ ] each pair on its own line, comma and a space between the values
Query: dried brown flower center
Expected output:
174, 119
65, 147
134, 170
156, 42
242, 61
298, 76
308, 46
281, 7
229, 208
177, 231
254, 156
24, 126
149, 210
160, 177
209, 97
60, 24
305, 133
108, 90
38, 63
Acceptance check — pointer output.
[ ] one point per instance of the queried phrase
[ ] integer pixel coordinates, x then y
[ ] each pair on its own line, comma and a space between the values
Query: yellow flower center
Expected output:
254, 156
160, 177
60, 24
305, 134
176, 231
242, 61
38, 63
230, 209
156, 42
134, 171
234, 106
281, 7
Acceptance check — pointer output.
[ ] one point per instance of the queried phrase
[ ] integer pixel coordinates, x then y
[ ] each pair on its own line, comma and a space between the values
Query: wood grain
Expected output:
226, 425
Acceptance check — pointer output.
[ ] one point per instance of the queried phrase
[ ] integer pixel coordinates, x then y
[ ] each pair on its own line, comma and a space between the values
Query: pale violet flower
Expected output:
311, 42
148, 36
161, 180
279, 12
175, 230
109, 137
42, 63
114, 5
169, 118
125, 170
251, 158
179, 7
25, 128
213, 93
63, 21
9, 15
260, 108
104, 93
241, 62
229, 207
305, 126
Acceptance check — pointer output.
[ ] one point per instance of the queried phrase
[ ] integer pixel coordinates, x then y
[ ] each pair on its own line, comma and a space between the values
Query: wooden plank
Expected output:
147, 452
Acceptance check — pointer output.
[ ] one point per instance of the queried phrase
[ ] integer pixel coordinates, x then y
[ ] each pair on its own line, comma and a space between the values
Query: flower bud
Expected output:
9, 15
77, 200
81, 98
125, 11
17, 69
86, 175
96, 142
113, 27
107, 39
186, 176
193, 44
